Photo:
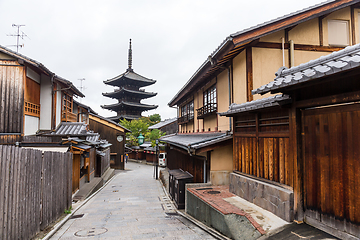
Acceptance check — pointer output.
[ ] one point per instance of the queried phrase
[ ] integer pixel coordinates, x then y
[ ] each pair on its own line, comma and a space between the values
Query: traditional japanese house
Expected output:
33, 99
302, 145
245, 61
168, 126
129, 94
115, 134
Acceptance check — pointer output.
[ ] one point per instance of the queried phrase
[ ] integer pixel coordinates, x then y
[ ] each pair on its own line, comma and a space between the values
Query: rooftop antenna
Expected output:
18, 35
130, 59
81, 85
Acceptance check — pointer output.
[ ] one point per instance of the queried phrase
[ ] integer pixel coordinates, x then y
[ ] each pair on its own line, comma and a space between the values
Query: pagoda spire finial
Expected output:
130, 58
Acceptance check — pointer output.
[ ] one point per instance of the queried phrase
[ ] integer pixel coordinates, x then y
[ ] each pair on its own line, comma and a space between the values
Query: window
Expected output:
187, 113
338, 33
67, 114
210, 96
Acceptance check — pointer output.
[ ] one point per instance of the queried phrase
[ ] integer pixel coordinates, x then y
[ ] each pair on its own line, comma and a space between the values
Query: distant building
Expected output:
167, 126
129, 94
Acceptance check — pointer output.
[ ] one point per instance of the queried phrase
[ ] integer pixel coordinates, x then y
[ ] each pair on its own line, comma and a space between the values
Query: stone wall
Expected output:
276, 199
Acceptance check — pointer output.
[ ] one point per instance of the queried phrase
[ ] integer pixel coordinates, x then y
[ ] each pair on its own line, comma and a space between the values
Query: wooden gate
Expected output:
76, 173
331, 150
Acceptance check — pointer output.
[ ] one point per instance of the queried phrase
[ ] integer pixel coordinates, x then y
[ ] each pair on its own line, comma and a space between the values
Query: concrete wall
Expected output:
271, 197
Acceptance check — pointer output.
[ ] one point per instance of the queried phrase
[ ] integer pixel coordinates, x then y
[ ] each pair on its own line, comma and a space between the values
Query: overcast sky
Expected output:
170, 39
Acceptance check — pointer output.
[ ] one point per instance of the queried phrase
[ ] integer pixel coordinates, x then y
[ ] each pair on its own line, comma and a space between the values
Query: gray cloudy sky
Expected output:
171, 39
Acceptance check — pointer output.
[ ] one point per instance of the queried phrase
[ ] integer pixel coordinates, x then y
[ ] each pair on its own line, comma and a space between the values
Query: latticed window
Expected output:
67, 103
210, 96
187, 112
67, 114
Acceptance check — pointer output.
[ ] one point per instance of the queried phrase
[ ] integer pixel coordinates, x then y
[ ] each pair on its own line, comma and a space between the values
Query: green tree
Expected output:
141, 125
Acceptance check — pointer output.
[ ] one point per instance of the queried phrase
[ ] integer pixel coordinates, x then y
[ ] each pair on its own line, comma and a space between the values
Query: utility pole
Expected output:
18, 35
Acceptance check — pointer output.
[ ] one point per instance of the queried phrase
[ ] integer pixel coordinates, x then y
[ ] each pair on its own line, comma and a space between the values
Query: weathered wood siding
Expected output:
192, 164
332, 167
261, 146
34, 190
11, 97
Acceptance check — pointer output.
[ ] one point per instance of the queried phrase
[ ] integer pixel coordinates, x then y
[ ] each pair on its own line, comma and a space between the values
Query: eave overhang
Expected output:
129, 105
119, 93
132, 77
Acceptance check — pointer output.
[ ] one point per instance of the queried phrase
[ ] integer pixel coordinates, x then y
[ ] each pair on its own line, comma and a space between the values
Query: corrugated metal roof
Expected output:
335, 62
272, 101
163, 123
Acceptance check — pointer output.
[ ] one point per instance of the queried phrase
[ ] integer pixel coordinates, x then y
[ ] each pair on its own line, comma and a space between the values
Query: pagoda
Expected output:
129, 94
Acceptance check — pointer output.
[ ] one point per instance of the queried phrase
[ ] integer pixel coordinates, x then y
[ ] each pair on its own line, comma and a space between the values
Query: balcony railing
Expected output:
32, 109
68, 117
185, 119
206, 110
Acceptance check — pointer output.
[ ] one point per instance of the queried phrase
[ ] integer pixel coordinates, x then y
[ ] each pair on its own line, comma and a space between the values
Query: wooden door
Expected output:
76, 173
331, 151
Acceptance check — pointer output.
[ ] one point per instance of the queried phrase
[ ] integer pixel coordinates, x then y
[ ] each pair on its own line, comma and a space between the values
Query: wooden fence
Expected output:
35, 189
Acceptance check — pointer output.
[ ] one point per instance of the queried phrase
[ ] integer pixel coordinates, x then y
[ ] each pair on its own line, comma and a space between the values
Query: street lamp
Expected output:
140, 139
157, 157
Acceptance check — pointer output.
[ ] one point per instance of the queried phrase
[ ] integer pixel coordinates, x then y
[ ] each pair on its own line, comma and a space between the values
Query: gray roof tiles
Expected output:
163, 123
272, 101
335, 62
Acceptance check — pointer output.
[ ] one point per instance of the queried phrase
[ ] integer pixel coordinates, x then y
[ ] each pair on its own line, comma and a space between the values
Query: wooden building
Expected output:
245, 61
115, 134
306, 138
33, 99
129, 94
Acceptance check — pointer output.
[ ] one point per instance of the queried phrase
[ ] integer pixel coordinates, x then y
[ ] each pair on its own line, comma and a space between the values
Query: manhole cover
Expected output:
209, 188
213, 192
90, 232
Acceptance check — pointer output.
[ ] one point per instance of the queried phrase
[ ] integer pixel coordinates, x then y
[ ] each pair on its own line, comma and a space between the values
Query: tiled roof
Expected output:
129, 104
272, 101
191, 142
163, 123
132, 76
123, 91
335, 62
110, 121
73, 129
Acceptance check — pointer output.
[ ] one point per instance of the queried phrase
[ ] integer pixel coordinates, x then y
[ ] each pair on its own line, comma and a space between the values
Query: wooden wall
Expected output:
11, 96
110, 134
181, 160
331, 166
34, 190
261, 146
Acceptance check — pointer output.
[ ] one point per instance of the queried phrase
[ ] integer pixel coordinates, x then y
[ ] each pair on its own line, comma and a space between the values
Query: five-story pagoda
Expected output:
129, 94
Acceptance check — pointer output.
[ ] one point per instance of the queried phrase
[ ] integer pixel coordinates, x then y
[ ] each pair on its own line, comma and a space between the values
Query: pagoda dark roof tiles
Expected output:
130, 104
122, 90
130, 75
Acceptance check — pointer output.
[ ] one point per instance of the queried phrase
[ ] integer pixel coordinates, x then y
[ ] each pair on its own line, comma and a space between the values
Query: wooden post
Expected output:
296, 162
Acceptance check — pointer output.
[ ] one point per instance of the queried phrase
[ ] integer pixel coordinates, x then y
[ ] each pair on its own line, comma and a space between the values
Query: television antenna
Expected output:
18, 35
81, 85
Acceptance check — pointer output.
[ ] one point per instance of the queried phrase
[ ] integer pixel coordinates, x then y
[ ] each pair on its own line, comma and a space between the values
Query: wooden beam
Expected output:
249, 74
352, 24
301, 47
321, 31
334, 99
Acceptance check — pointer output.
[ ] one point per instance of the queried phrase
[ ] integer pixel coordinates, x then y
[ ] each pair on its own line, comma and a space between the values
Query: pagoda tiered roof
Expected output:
129, 105
130, 78
122, 92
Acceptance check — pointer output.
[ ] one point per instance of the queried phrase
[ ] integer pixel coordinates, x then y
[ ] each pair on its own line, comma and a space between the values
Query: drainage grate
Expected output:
213, 192
209, 188
90, 232
77, 216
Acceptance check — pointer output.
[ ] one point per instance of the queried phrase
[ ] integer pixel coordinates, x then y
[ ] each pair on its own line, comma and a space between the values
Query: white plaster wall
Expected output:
58, 106
33, 75
45, 103
31, 125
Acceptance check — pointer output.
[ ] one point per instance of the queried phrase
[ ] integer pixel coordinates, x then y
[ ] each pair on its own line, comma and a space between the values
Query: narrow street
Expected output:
132, 206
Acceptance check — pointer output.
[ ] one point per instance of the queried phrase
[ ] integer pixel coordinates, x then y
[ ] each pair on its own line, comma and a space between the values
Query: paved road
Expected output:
132, 206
